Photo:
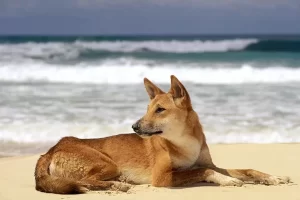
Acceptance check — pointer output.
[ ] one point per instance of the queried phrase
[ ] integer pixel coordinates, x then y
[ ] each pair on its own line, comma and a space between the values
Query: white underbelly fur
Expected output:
136, 175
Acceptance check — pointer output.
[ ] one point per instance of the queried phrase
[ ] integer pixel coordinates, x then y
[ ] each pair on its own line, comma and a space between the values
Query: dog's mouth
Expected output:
148, 133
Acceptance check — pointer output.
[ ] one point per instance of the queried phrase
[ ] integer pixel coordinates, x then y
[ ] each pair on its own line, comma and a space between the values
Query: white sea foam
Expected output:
45, 132
132, 72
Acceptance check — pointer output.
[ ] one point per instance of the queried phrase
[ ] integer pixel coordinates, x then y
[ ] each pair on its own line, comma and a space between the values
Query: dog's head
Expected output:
167, 113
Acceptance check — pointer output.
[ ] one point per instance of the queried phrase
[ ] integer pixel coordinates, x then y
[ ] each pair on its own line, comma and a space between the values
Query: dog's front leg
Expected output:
254, 176
166, 177
192, 176
163, 175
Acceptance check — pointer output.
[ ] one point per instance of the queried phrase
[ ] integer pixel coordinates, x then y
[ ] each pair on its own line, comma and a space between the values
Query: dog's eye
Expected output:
159, 110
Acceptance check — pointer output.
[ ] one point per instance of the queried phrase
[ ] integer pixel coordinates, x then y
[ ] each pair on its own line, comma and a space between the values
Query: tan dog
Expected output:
168, 150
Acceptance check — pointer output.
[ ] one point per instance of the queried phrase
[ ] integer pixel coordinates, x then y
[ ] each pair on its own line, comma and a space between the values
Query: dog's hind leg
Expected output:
98, 178
88, 167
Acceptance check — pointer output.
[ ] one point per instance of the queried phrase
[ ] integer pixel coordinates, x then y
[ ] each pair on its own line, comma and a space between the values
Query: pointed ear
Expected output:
179, 92
152, 89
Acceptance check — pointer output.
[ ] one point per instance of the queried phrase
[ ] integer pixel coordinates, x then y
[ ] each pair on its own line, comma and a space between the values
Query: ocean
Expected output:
246, 89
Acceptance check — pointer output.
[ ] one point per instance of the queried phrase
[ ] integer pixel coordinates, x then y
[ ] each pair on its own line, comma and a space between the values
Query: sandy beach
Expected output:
17, 180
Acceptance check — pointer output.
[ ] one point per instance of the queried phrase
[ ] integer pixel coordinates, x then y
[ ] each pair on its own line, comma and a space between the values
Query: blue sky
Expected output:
149, 16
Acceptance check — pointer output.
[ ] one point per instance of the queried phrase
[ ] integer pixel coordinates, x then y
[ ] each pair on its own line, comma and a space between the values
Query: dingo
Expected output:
169, 149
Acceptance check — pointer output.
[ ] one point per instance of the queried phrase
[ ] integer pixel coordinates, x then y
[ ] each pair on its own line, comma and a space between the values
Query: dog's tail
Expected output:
44, 182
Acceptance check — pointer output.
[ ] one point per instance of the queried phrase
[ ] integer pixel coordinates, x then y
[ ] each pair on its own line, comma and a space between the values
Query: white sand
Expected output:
17, 177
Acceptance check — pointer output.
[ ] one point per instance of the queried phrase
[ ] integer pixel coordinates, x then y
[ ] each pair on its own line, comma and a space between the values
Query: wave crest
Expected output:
72, 50
173, 46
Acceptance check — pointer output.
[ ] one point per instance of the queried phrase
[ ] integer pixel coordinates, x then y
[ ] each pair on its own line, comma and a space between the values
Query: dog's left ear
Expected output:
179, 93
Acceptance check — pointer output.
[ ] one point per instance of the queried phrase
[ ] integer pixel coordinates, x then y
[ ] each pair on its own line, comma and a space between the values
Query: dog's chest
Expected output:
187, 155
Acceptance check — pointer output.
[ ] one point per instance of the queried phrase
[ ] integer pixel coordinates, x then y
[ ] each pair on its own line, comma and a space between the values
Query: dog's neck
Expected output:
186, 141
192, 130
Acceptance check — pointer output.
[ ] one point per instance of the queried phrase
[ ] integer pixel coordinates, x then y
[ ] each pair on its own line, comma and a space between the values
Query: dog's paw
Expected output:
123, 187
232, 182
276, 180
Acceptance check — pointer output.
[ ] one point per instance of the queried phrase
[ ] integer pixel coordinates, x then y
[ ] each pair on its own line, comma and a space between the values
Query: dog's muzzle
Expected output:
137, 129
136, 126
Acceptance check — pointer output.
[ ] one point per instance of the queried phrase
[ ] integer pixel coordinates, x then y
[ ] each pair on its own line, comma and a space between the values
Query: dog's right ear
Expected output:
179, 93
152, 89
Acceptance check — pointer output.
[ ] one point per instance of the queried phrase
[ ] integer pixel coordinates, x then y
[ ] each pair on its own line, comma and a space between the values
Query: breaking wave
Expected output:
98, 49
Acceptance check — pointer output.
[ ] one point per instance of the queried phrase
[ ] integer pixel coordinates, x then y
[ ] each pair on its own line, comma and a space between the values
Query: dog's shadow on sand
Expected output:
202, 184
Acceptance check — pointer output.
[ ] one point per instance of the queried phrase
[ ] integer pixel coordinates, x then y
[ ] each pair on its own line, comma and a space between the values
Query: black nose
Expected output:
136, 126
